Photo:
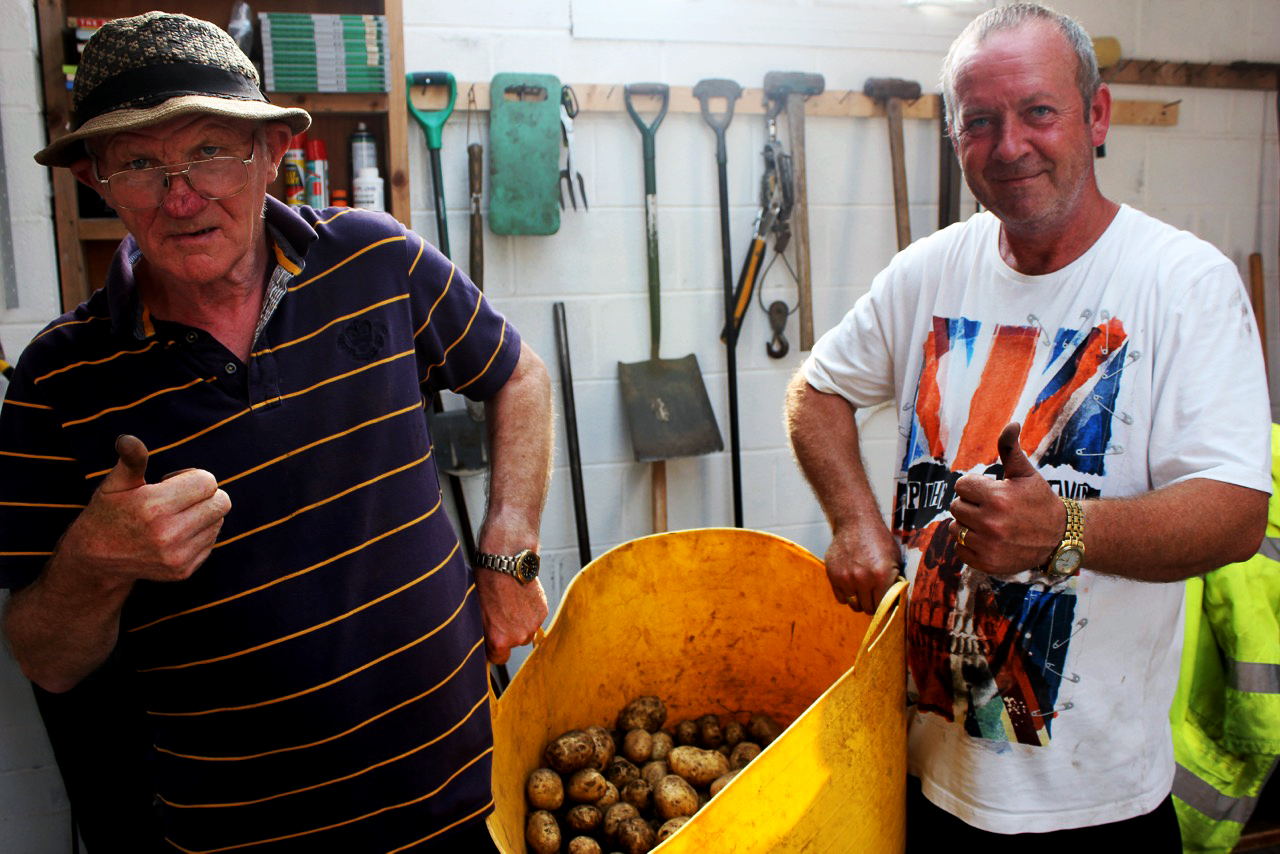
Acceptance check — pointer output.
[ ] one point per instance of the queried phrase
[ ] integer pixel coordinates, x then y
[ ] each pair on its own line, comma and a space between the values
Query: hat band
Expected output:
152, 84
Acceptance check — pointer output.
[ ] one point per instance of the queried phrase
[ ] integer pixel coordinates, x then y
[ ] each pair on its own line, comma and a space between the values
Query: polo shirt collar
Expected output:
291, 235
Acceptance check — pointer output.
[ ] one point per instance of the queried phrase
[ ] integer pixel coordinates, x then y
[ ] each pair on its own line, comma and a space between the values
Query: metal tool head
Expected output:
883, 88
668, 410
779, 84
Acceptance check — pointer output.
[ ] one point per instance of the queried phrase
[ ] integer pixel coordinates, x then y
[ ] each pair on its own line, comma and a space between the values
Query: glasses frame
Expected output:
179, 169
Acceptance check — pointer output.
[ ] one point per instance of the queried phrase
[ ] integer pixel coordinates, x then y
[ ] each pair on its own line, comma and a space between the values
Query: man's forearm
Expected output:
58, 632
1176, 532
520, 438
824, 437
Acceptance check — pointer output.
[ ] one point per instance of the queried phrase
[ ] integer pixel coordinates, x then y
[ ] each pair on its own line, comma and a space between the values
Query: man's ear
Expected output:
277, 138
83, 170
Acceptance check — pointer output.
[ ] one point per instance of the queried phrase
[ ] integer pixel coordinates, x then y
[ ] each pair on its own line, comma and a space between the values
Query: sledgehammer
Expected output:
891, 92
789, 89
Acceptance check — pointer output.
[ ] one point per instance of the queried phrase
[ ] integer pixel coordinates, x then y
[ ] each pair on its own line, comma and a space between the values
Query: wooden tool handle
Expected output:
800, 219
475, 178
901, 207
660, 496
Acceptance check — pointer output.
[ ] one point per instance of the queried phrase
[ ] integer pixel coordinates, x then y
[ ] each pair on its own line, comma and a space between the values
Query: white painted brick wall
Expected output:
1215, 173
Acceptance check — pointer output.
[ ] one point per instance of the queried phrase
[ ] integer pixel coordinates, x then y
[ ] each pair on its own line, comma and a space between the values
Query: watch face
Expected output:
527, 566
1066, 563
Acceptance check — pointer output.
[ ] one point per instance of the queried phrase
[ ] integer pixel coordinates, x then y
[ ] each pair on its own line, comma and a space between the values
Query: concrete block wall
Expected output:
1214, 173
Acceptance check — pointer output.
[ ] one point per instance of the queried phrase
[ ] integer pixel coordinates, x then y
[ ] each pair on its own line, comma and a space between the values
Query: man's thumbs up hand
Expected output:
132, 529
1007, 526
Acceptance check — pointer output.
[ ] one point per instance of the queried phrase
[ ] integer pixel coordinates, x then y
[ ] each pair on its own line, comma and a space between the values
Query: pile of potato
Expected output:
630, 789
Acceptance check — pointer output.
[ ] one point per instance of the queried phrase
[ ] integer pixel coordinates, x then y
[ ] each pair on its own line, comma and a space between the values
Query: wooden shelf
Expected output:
85, 244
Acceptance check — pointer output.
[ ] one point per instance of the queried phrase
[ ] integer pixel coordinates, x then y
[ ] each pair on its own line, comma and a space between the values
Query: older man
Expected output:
218, 469
1082, 412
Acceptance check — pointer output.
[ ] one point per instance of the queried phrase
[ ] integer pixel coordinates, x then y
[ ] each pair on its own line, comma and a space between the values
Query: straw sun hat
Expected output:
144, 70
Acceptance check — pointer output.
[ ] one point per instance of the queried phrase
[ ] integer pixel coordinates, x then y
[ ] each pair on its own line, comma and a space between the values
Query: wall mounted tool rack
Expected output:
605, 97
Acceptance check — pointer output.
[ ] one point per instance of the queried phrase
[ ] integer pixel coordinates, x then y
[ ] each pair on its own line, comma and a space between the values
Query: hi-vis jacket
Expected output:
1226, 714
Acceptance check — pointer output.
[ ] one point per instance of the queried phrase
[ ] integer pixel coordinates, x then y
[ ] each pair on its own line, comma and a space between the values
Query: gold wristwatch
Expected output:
522, 566
1069, 555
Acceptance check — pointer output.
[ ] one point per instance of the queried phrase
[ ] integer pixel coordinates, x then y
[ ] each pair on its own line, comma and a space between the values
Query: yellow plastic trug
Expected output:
726, 621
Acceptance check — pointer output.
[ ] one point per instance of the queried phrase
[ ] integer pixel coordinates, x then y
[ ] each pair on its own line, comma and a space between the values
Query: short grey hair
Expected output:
1012, 17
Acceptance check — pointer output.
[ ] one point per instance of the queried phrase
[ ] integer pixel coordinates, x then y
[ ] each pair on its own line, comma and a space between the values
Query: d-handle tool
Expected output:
730, 91
432, 122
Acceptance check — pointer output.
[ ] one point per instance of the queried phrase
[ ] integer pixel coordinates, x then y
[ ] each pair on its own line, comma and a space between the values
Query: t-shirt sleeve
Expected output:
1212, 408
463, 343
854, 359
42, 488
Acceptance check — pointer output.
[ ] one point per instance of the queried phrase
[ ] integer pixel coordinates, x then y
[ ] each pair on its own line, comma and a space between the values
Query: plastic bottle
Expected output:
368, 190
317, 174
364, 150
295, 183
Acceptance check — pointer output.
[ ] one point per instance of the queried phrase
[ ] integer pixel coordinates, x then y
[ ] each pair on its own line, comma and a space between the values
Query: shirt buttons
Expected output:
230, 368
193, 337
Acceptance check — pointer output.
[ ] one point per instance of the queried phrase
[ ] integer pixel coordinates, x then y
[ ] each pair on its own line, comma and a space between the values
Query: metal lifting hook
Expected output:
778, 346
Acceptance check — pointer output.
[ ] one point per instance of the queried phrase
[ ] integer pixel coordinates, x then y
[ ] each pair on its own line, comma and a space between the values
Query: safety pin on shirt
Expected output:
1128, 360
1065, 707
1123, 416
1111, 450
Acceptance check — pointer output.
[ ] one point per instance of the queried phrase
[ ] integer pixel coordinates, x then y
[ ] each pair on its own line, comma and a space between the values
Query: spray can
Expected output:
368, 190
317, 174
364, 150
295, 184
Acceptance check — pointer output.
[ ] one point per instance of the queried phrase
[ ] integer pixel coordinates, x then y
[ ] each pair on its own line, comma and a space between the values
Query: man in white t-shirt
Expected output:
1082, 413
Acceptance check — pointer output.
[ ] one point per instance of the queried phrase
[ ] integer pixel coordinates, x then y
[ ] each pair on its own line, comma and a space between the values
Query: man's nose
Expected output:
1011, 142
180, 195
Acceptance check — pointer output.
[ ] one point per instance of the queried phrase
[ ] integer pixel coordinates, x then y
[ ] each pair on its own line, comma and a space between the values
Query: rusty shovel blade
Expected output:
667, 409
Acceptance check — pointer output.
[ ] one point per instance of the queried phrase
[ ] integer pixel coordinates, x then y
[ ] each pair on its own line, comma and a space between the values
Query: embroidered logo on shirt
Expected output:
363, 339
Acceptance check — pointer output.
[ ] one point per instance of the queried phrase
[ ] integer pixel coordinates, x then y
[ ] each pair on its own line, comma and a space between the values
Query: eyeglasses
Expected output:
144, 189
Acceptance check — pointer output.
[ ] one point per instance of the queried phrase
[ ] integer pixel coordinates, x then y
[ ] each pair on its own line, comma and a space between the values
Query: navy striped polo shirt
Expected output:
320, 683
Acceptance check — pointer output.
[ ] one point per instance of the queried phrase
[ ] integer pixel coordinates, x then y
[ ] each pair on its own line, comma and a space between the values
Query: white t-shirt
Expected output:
1040, 706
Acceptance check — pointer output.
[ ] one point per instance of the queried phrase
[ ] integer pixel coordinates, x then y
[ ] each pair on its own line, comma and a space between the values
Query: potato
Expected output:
605, 746
609, 798
720, 782
743, 753
710, 733
586, 786
635, 836
725, 750
686, 733
584, 845
673, 797
584, 818
638, 793
637, 746
621, 771
646, 713
698, 766
544, 789
570, 752
652, 772
615, 816
671, 826
734, 732
542, 833
763, 729
662, 744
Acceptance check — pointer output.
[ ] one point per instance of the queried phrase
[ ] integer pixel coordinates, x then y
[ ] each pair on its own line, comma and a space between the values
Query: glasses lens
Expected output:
218, 178
137, 189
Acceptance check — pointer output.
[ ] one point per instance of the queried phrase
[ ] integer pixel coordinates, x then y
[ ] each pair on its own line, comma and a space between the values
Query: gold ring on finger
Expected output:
964, 532
853, 600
